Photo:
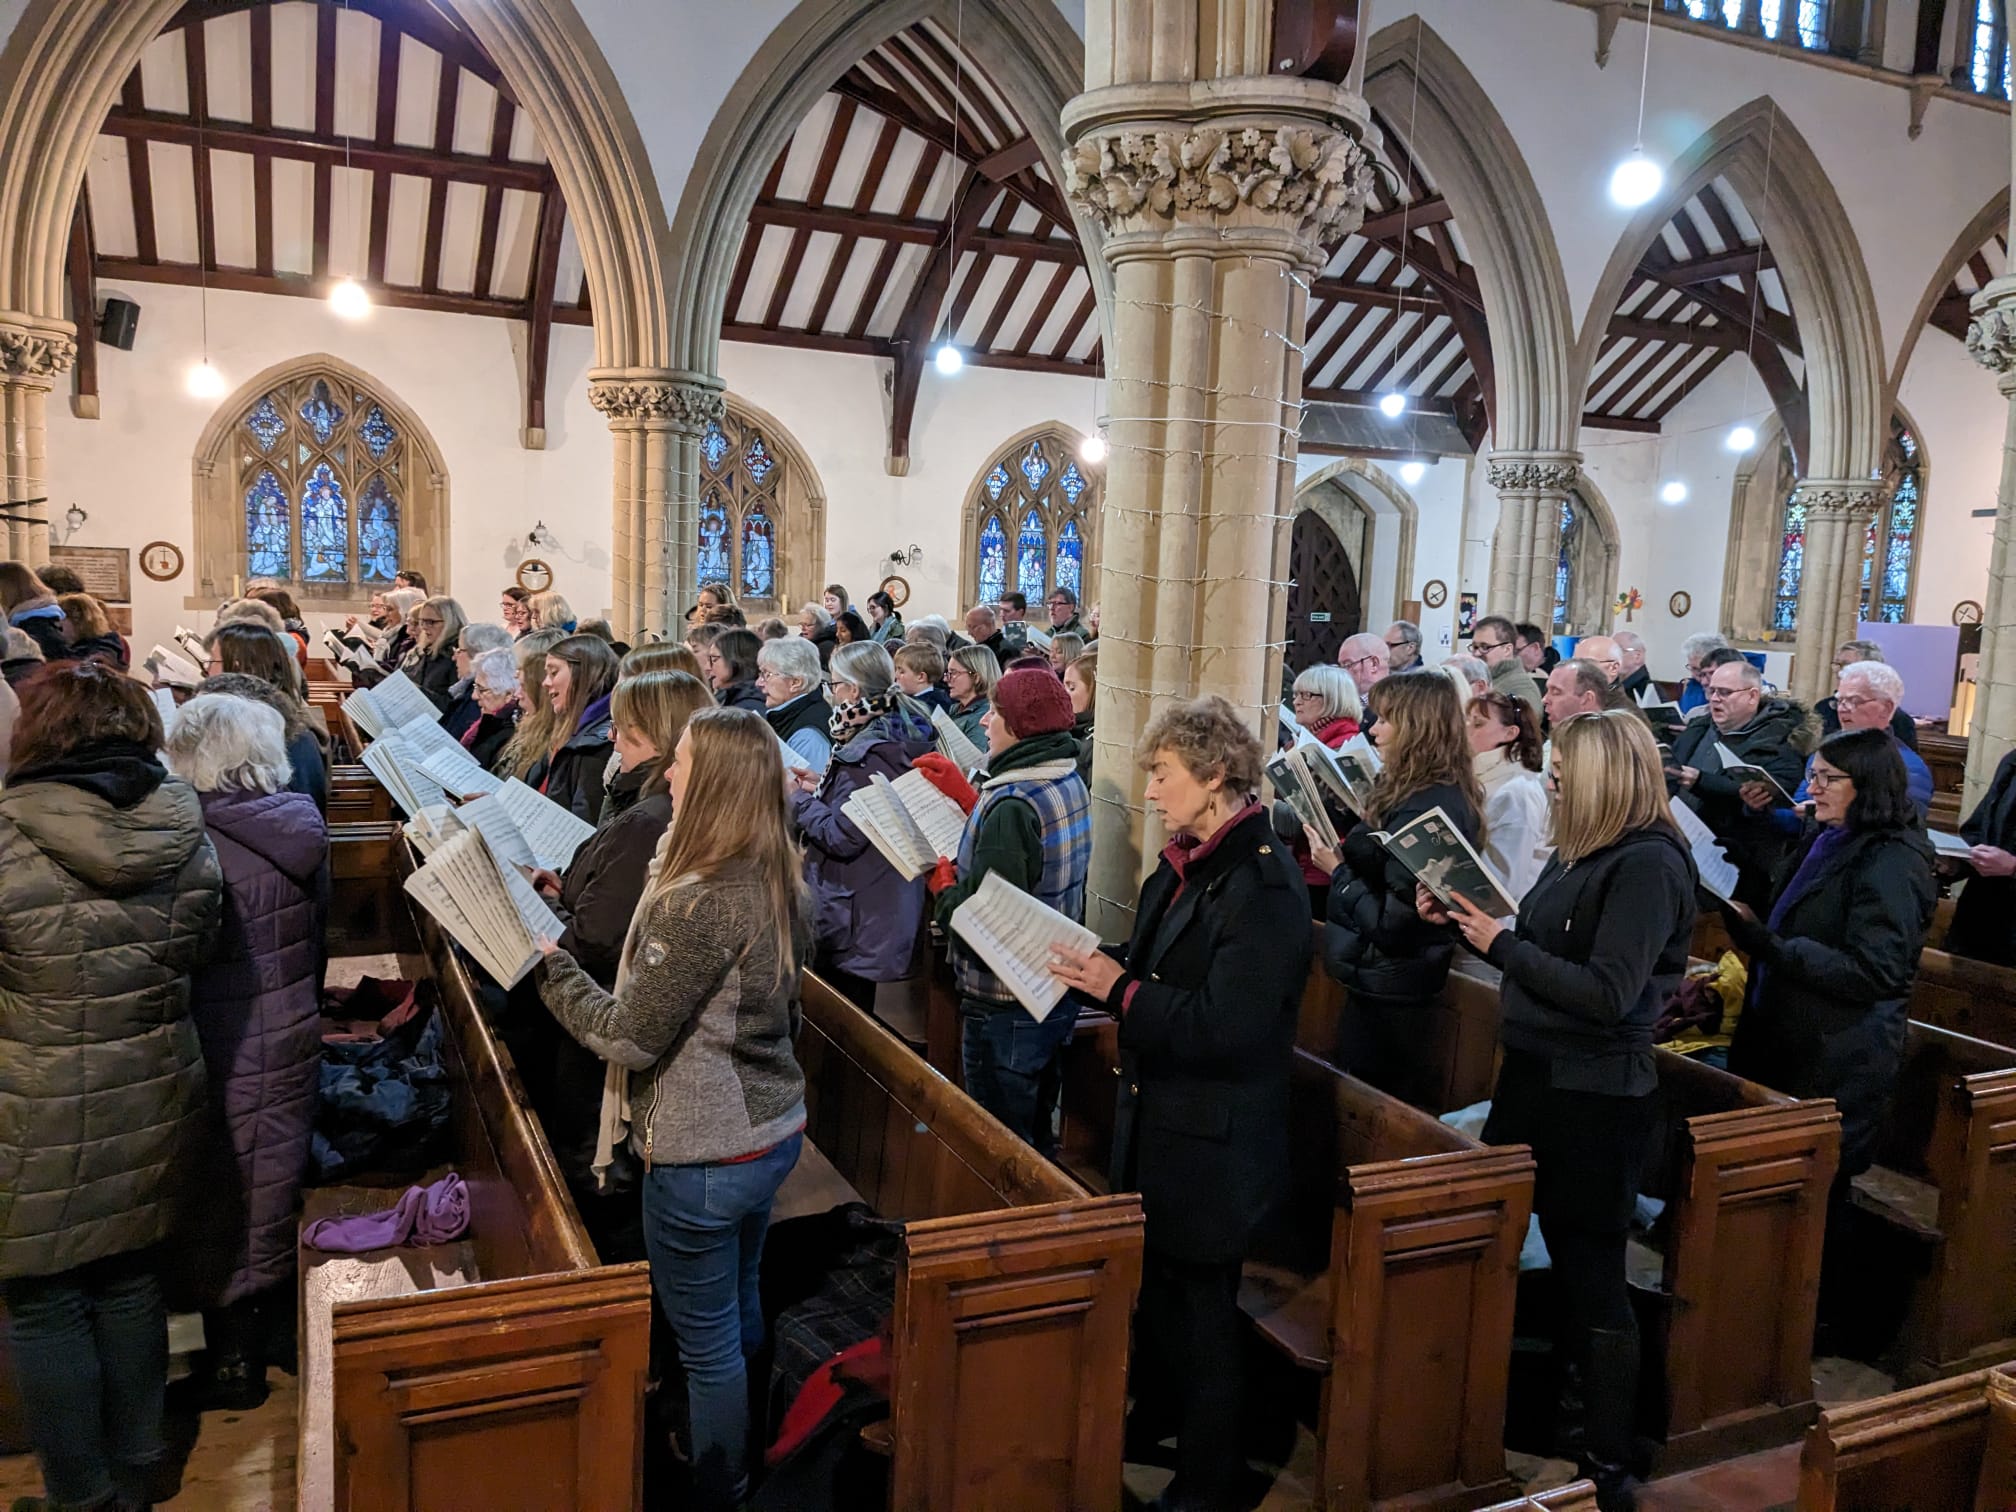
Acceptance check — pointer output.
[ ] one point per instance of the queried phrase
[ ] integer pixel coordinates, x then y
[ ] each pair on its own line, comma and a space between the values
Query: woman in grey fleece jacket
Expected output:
705, 1005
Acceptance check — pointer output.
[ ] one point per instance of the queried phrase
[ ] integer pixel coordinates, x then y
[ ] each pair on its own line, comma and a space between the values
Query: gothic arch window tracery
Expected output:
742, 483
1032, 523
1889, 549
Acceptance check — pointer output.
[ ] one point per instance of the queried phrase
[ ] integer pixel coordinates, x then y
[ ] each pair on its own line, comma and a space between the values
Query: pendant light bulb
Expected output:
1741, 439
1673, 493
1636, 180
349, 300
205, 382
1412, 473
1093, 449
1393, 405
948, 359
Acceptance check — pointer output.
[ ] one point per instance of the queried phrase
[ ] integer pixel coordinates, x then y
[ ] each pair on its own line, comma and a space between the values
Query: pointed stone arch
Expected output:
217, 516
1382, 499
1818, 258
1991, 218
1592, 581
1475, 161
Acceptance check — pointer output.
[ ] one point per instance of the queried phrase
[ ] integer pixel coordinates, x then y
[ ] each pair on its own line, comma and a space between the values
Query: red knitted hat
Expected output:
1033, 703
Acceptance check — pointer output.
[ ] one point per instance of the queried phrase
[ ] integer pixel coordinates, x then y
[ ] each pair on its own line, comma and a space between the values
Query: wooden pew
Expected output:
366, 915
1946, 1447
356, 797
1744, 1172
1967, 997
504, 1371
1947, 1172
1016, 1285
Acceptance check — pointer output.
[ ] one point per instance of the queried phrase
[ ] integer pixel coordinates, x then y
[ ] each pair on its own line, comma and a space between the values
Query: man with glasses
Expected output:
1847, 655
1364, 657
1759, 730
1403, 646
1604, 652
1867, 694
1494, 642
1535, 651
1064, 613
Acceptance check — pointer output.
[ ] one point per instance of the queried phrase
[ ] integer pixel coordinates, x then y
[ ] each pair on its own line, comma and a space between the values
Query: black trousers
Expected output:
1189, 1340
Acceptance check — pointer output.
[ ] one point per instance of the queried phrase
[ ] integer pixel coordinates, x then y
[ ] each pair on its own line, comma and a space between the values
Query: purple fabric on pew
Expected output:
423, 1215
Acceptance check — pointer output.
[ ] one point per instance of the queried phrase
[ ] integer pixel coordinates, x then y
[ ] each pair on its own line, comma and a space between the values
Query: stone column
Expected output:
1218, 189
1991, 338
656, 418
33, 355
1830, 587
1532, 486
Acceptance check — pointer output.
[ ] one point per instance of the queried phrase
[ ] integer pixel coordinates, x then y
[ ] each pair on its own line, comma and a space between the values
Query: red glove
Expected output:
948, 779
944, 875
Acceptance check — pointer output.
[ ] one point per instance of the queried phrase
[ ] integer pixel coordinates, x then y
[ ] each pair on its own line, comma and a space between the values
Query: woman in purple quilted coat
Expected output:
256, 1011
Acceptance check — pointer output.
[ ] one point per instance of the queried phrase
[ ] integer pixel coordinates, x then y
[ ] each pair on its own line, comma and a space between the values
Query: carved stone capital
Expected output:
1307, 179
1991, 329
1544, 474
34, 349
688, 404
1853, 499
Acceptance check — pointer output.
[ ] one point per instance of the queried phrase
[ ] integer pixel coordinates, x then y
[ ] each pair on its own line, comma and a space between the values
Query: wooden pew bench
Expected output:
1947, 1174
1016, 1285
504, 1371
1967, 997
367, 913
1945, 1447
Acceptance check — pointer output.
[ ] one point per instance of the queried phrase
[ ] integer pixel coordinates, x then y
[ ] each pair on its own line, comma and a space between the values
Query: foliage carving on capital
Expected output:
1991, 337
35, 354
1317, 179
688, 406
1851, 500
1533, 475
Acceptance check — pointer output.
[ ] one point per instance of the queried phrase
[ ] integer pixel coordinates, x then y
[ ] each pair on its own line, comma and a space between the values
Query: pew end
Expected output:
1947, 1445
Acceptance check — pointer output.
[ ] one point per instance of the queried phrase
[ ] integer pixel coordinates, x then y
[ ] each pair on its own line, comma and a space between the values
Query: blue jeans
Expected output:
1013, 1064
703, 1228
90, 1351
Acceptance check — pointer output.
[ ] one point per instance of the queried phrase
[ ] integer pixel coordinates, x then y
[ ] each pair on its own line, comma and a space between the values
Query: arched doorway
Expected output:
1323, 600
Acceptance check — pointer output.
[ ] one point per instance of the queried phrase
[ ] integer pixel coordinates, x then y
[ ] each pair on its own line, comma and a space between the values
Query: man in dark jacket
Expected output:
1759, 730
983, 628
1631, 655
1063, 605
1984, 923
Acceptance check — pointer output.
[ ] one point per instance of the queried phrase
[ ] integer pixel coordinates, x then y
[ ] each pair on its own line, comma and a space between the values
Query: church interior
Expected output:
1221, 392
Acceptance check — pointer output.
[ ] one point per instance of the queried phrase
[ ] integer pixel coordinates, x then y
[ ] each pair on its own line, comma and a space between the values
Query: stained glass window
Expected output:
1040, 537
743, 482
1564, 564
1798, 23
1988, 61
1889, 547
993, 561
759, 555
336, 531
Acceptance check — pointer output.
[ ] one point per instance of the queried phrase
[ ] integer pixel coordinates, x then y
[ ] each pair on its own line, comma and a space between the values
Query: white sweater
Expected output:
1515, 819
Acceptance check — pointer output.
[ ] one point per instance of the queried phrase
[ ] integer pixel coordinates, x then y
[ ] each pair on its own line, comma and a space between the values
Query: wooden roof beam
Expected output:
1711, 267
539, 343
422, 22
298, 286
1725, 337
1410, 218
920, 316
1732, 307
1010, 160
84, 311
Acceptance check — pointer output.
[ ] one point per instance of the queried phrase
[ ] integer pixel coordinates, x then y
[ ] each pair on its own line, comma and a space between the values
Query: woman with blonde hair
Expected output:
1081, 681
705, 1004
660, 656
1599, 943
536, 722
1374, 942
549, 611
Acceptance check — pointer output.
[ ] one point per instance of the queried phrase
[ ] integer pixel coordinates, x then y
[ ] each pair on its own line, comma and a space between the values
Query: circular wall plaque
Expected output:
534, 576
897, 589
1967, 612
161, 560
1434, 593
1679, 604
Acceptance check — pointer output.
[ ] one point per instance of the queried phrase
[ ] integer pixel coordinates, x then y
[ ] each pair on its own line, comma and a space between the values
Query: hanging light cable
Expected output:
948, 358
1393, 403
1637, 179
205, 382
348, 298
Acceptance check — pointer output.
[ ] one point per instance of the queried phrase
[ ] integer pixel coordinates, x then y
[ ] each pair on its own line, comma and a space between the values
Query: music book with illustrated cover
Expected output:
1444, 862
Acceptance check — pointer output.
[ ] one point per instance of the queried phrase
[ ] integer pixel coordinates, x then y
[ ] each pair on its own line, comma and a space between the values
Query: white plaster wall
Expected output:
1960, 415
130, 470
832, 406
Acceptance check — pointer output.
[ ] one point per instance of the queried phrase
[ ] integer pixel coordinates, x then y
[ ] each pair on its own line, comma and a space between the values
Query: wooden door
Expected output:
1323, 603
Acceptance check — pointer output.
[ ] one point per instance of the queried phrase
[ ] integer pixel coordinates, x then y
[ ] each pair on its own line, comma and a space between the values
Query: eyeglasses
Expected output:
1821, 778
1714, 693
1301, 697
1356, 661
422, 620
1484, 645
1852, 700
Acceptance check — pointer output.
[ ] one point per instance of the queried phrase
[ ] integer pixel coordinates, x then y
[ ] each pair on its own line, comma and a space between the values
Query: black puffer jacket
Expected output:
433, 673
572, 776
109, 896
1598, 946
600, 891
1375, 942
1778, 738
1830, 985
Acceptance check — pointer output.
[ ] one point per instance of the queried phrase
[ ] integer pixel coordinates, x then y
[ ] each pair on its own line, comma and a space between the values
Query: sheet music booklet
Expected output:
456, 770
956, 745
909, 821
344, 654
1013, 933
172, 668
1296, 785
793, 762
1444, 862
396, 763
164, 704
191, 642
525, 827
486, 907
1735, 767
1661, 711
1949, 846
1718, 872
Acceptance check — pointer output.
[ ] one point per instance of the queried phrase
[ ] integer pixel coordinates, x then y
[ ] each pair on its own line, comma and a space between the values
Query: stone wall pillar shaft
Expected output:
33, 355
1830, 586
1217, 196
1991, 338
656, 419
1526, 547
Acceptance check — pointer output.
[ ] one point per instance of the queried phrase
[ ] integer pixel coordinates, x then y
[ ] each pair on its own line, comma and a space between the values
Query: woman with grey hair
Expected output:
1693, 694
493, 683
462, 709
256, 1008
438, 623
788, 676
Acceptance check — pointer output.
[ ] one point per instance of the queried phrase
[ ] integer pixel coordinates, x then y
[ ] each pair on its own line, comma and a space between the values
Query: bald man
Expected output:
1604, 652
1364, 657
1577, 686
1631, 648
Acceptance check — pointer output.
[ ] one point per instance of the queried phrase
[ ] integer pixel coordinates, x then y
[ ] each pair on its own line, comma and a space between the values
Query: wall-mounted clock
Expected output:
898, 590
1434, 593
534, 576
161, 561
1680, 604
1967, 612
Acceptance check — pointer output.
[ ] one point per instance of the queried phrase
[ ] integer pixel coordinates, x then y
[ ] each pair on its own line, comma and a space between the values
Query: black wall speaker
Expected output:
120, 323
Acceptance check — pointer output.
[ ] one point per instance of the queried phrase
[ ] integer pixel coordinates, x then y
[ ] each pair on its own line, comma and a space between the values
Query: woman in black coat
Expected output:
438, 624
1831, 967
1600, 941
1984, 922
580, 676
1206, 994
1374, 942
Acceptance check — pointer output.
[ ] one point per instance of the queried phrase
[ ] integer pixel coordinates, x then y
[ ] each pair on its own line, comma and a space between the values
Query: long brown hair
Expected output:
536, 719
19, 585
67, 706
593, 666
1423, 743
734, 810
661, 656
249, 647
657, 706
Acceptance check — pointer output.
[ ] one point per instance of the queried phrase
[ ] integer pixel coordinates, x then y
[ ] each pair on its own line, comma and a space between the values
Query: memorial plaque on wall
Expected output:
107, 571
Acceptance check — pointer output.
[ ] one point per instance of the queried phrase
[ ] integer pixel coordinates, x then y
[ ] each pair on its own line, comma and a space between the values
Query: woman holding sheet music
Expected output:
249, 650
437, 630
1599, 943
865, 917
1206, 993
706, 999
1375, 942
1324, 702
580, 675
